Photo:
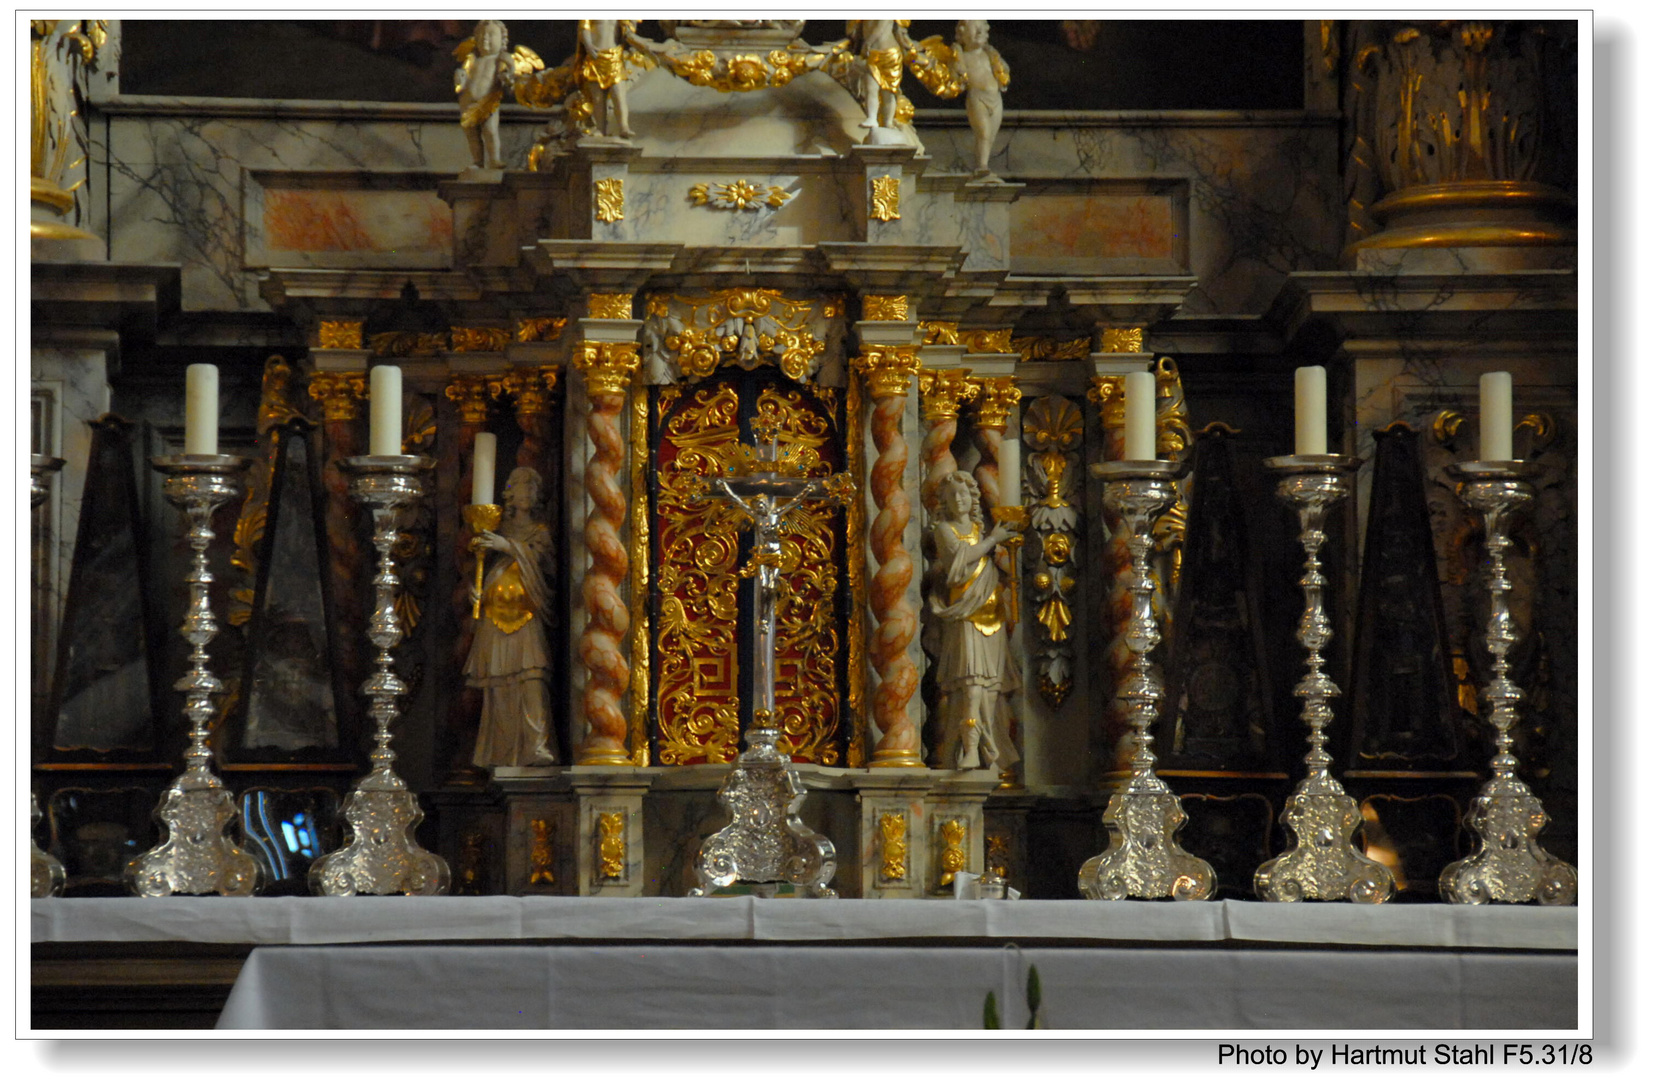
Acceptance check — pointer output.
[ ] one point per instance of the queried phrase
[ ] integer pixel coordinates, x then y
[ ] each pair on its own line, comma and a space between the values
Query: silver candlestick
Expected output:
766, 843
1143, 858
197, 811
1509, 866
46, 875
1322, 861
380, 855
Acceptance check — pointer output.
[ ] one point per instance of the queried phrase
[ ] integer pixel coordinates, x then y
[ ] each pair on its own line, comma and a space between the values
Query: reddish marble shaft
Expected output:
607, 620
897, 620
987, 471
937, 452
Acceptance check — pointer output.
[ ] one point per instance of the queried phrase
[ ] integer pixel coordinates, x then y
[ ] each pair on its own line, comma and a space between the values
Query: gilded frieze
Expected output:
1047, 348
739, 195
479, 338
335, 334
541, 328
988, 341
690, 337
1119, 339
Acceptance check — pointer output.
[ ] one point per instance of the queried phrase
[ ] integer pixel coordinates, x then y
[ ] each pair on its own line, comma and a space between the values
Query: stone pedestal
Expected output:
609, 835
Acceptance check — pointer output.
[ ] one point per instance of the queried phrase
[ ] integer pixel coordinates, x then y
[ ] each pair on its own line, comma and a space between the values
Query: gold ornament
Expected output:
544, 328
541, 852
997, 396
885, 308
612, 845
740, 195
607, 365
889, 369
952, 859
893, 847
1121, 339
609, 199
340, 335
886, 204
988, 341
940, 333
479, 339
941, 392
1045, 348
609, 306
339, 391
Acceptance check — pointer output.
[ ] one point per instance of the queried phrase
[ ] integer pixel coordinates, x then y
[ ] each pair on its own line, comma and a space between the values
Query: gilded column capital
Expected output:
607, 365
1108, 393
609, 306
885, 308
888, 369
528, 389
943, 391
997, 396
339, 334
471, 394
339, 391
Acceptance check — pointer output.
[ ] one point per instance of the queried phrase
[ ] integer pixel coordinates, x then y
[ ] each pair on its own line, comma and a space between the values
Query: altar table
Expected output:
503, 963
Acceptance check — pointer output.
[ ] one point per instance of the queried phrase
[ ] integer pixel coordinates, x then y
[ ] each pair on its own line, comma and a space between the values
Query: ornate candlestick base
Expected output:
1143, 858
380, 855
1322, 861
197, 812
1509, 865
46, 876
765, 842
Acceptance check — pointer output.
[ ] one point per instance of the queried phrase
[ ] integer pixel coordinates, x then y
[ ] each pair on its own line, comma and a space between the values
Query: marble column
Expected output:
888, 363
608, 357
941, 395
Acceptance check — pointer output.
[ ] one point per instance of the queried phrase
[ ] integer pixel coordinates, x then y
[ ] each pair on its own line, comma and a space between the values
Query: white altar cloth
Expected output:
307, 920
573, 963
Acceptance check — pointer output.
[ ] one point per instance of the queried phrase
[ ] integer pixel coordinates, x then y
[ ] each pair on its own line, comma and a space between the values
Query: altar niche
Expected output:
700, 604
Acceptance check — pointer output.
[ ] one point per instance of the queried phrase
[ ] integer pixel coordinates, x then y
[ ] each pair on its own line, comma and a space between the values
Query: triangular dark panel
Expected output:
101, 696
1217, 713
1402, 709
290, 683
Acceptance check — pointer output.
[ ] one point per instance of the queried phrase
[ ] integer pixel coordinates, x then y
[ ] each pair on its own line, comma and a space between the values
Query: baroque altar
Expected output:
611, 269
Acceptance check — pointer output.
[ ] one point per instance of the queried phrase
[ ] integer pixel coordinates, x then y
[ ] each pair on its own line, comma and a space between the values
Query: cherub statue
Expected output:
975, 668
880, 45
509, 660
985, 75
603, 74
481, 80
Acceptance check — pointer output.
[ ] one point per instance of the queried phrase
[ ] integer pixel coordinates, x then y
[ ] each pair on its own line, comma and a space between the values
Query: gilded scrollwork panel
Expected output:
688, 338
1053, 428
698, 707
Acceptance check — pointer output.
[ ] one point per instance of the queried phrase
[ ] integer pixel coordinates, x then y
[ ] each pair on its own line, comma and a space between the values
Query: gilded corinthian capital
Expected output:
998, 396
889, 369
470, 393
607, 365
338, 391
943, 391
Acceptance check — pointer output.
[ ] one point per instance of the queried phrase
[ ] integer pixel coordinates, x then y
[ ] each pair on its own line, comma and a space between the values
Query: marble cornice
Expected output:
131, 298
280, 285
1139, 118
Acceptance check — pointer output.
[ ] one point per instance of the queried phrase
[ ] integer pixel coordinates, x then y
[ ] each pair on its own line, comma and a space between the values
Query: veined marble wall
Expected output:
228, 188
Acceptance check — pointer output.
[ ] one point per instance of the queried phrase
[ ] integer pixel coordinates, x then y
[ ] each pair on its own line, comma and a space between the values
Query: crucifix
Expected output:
766, 845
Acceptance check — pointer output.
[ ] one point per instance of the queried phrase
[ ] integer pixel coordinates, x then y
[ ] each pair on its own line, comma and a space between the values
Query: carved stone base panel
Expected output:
609, 847
1322, 862
380, 856
542, 853
1509, 866
196, 857
1143, 860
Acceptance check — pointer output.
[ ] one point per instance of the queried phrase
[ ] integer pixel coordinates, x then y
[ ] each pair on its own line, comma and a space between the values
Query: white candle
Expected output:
1011, 480
482, 469
1310, 410
1494, 417
1140, 416
385, 410
201, 409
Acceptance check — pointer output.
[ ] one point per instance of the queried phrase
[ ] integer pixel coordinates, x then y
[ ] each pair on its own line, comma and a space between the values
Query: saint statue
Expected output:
975, 670
509, 659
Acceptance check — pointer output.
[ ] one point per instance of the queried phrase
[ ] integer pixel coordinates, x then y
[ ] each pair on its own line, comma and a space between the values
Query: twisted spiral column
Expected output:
996, 398
608, 367
889, 371
942, 392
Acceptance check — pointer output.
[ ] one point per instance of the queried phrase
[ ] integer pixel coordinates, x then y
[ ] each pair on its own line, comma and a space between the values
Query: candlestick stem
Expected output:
196, 812
1509, 865
1322, 861
380, 855
1143, 859
46, 874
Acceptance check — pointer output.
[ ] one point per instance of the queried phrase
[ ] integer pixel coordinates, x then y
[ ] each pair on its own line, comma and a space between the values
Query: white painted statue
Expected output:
985, 75
603, 74
509, 659
975, 670
484, 75
880, 44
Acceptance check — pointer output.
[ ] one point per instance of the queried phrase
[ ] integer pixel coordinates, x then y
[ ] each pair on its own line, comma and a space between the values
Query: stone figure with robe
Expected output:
975, 671
510, 660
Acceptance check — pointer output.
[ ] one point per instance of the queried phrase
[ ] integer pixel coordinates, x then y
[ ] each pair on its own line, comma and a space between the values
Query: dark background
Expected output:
1055, 64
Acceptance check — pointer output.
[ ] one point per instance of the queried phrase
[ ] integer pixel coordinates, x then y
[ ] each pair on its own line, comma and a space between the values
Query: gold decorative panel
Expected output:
746, 328
886, 204
609, 200
340, 335
699, 672
893, 846
611, 842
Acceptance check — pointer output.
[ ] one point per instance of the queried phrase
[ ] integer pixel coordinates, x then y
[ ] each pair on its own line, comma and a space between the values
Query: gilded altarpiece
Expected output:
700, 597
